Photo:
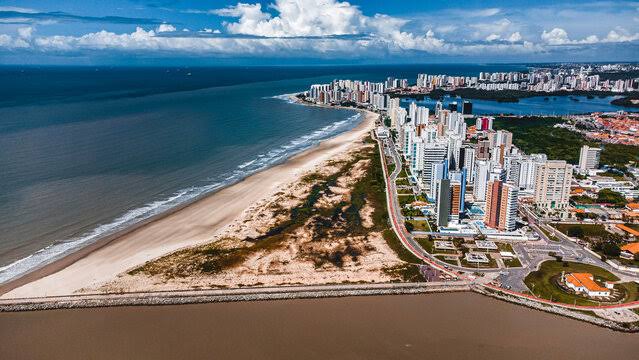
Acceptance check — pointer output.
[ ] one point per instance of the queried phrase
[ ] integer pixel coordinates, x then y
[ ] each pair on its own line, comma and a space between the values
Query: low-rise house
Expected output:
629, 251
584, 283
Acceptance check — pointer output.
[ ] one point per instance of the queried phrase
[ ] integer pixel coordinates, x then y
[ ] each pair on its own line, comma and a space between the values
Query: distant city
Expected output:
463, 176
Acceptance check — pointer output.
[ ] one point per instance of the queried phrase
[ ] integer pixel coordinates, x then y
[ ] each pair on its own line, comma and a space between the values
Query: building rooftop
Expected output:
584, 280
632, 248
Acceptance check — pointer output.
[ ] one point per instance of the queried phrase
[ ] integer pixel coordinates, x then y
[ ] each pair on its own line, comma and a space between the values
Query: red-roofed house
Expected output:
585, 283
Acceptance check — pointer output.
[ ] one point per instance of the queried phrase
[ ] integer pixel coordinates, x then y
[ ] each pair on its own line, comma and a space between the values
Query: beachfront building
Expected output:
588, 158
584, 283
552, 185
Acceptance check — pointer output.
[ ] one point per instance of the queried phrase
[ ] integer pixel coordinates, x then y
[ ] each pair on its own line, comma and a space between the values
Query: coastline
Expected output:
187, 225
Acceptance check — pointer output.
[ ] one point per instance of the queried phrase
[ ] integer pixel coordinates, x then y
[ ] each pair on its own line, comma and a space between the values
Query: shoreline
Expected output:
215, 210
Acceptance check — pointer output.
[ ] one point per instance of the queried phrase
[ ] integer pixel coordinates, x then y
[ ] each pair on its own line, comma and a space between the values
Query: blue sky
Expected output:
315, 31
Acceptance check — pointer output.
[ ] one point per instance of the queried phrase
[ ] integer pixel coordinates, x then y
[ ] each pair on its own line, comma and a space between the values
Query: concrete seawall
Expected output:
226, 295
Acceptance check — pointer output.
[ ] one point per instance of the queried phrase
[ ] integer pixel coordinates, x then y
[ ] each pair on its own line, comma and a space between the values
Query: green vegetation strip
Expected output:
541, 282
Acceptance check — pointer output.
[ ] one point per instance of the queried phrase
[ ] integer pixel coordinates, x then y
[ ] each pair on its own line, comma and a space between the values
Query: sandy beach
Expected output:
195, 224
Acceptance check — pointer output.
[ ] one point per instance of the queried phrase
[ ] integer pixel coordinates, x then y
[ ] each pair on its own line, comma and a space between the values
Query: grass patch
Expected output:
405, 200
393, 242
509, 263
405, 192
589, 232
505, 247
407, 272
444, 259
419, 225
402, 181
541, 284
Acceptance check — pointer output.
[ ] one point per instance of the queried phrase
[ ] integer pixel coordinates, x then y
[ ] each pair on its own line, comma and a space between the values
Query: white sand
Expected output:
195, 224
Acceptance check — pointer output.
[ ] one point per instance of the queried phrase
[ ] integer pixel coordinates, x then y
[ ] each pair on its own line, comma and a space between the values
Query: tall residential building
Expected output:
552, 184
499, 138
456, 200
482, 150
482, 173
468, 161
431, 154
501, 205
484, 123
588, 158
458, 178
443, 202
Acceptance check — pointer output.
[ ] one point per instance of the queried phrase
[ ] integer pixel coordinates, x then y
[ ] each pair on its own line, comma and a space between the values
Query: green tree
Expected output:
575, 231
611, 249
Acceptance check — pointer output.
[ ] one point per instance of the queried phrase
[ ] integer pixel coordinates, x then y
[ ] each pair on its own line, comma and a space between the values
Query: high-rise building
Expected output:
458, 192
482, 150
484, 123
552, 184
588, 158
501, 206
443, 202
482, 173
431, 154
455, 199
467, 157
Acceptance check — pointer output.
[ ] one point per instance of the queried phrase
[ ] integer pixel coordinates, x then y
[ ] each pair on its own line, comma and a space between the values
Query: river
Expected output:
453, 325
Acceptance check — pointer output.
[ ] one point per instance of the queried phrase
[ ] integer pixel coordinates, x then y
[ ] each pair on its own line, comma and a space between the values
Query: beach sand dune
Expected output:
195, 224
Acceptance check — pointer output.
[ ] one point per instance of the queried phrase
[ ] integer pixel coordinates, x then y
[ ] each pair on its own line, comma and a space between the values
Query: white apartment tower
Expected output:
552, 184
588, 158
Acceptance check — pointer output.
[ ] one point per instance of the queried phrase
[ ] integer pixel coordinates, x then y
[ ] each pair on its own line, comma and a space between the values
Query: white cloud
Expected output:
514, 37
25, 32
492, 37
556, 36
620, 36
295, 18
18, 9
11, 43
445, 29
485, 12
166, 28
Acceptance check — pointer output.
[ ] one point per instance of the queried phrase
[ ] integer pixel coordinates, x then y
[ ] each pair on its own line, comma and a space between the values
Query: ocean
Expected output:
85, 152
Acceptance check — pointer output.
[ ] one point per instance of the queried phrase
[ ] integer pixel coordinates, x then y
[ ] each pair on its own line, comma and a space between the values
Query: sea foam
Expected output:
262, 161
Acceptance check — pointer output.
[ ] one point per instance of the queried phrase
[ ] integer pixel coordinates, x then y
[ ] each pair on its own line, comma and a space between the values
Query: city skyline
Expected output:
299, 32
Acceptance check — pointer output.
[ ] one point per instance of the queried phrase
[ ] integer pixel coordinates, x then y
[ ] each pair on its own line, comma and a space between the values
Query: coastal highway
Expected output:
394, 210
397, 219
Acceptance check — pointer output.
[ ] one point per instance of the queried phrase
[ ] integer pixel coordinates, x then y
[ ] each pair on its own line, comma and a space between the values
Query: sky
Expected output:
298, 32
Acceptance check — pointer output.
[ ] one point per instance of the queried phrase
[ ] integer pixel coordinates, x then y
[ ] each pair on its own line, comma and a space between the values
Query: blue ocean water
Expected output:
87, 151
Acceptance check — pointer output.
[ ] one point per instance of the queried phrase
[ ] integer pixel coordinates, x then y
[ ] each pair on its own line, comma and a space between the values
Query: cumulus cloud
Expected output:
25, 32
165, 28
559, 36
620, 36
514, 37
295, 18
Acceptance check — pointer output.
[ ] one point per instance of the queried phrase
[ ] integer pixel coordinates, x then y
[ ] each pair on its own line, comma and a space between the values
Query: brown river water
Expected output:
455, 325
